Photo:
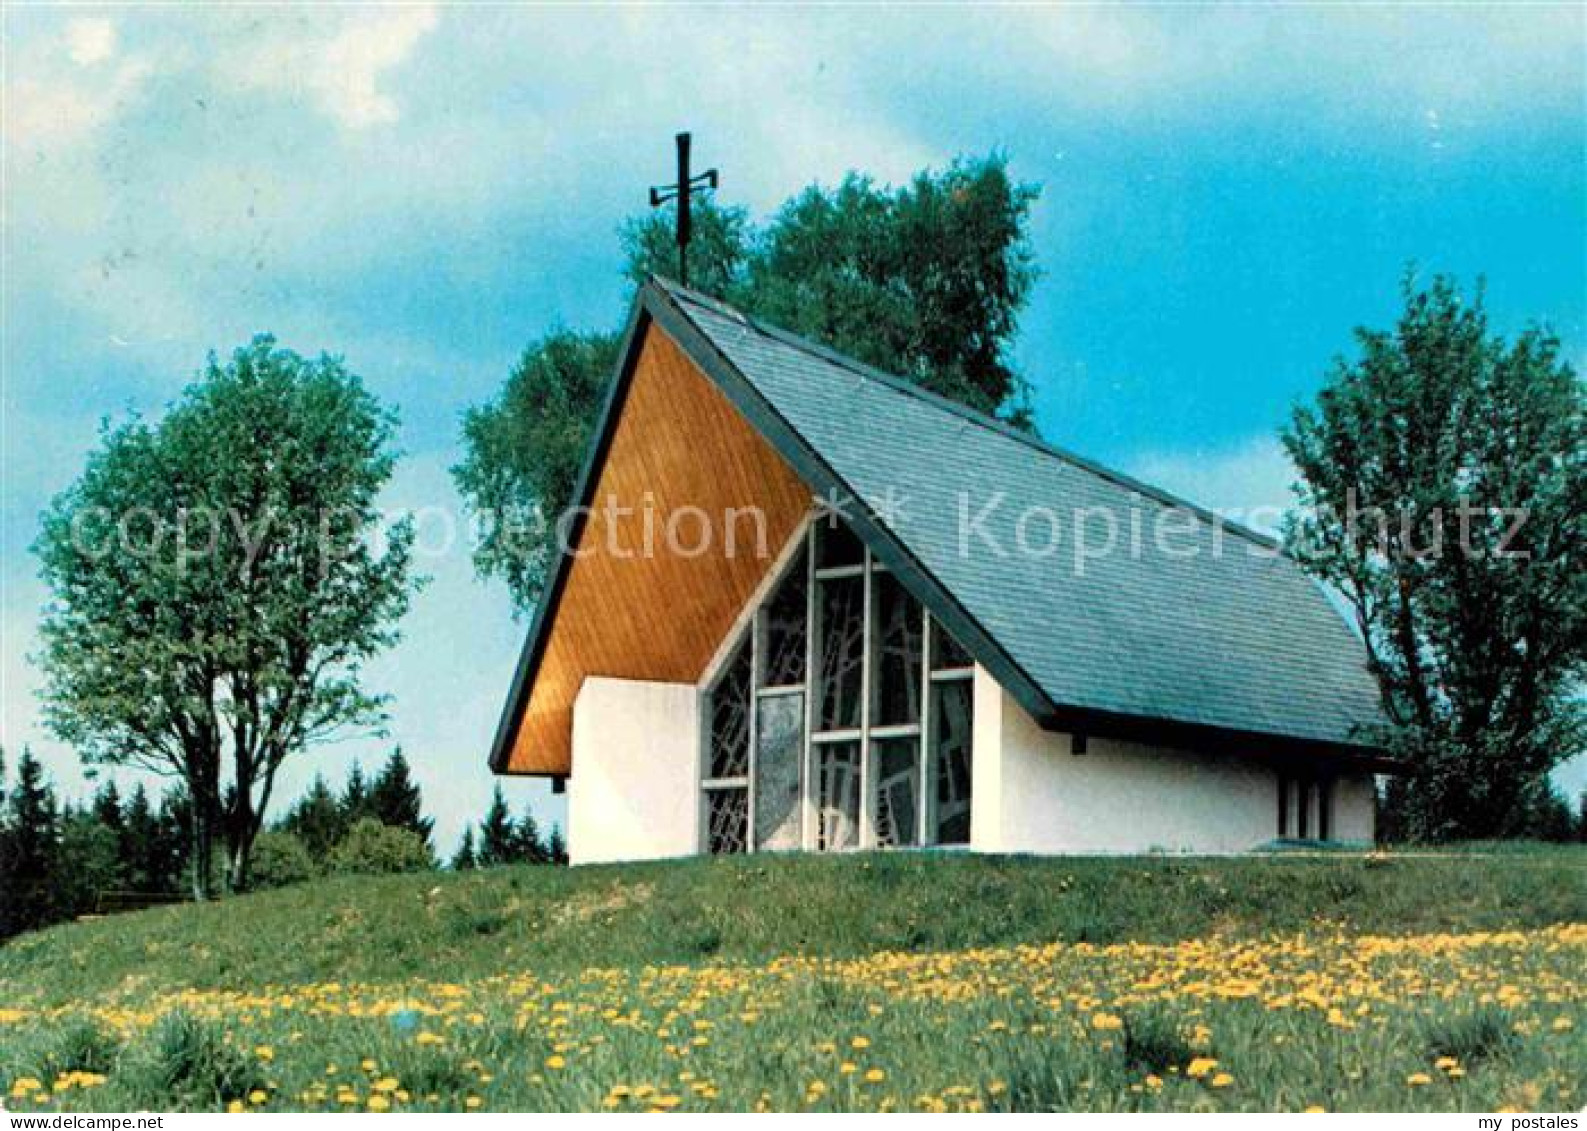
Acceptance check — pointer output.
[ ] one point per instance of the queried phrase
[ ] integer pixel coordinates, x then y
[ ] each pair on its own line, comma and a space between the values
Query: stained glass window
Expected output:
898, 631
946, 654
779, 744
730, 717
787, 619
874, 776
842, 653
950, 759
727, 820
837, 545
897, 763
837, 795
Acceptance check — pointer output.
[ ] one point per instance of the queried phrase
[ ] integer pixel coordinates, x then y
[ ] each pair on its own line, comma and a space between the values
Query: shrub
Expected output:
194, 1066
371, 848
279, 859
79, 1046
1471, 1035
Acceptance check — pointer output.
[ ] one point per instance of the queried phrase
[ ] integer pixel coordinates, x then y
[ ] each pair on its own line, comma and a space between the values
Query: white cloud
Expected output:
1247, 482
90, 41
50, 109
344, 71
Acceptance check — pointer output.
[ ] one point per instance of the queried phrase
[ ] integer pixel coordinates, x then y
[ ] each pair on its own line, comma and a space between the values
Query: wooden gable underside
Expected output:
678, 446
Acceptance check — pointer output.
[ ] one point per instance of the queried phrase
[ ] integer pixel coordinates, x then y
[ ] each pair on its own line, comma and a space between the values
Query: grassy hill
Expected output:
908, 980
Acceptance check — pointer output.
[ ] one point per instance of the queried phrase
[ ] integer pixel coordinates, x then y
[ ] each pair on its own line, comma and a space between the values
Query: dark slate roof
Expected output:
1231, 639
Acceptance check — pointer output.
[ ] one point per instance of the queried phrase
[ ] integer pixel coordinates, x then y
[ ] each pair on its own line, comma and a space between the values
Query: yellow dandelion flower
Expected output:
1417, 1079
860, 1043
556, 1061
874, 1076
1221, 1080
386, 1084
1106, 1022
1200, 1066
379, 1103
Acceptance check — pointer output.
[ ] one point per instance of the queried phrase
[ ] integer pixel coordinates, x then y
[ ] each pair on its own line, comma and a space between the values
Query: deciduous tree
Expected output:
1444, 495
219, 579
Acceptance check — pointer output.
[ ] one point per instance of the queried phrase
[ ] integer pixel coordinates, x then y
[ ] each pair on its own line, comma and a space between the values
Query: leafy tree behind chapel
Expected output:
925, 281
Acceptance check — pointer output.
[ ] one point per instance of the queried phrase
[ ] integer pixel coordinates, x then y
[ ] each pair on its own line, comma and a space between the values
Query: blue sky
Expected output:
1225, 194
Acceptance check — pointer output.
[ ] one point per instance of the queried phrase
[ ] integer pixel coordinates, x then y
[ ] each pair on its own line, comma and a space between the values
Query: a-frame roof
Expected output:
1187, 630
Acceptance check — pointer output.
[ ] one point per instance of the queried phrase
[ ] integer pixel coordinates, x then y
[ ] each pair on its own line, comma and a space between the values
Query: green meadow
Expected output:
907, 981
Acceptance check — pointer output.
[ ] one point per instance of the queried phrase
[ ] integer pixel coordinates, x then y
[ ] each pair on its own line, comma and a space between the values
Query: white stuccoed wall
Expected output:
634, 792
1031, 794
1355, 809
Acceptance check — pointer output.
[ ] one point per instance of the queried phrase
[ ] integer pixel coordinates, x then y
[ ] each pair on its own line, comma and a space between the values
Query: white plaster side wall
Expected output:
634, 793
987, 823
1355, 809
1031, 794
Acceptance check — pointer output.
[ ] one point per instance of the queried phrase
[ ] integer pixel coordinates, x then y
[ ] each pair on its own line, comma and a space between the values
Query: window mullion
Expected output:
756, 624
867, 768
808, 802
926, 814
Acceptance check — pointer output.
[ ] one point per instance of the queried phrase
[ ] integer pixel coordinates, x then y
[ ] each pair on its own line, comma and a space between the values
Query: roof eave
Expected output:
1210, 738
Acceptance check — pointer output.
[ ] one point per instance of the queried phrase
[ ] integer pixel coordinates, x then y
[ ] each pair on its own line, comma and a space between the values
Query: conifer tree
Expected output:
317, 819
33, 834
527, 846
106, 808
498, 839
355, 797
395, 800
140, 844
465, 860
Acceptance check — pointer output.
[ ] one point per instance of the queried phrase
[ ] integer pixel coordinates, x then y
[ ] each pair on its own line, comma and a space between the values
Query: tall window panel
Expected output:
787, 618
898, 633
727, 820
948, 746
897, 770
779, 746
837, 795
841, 655
729, 753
